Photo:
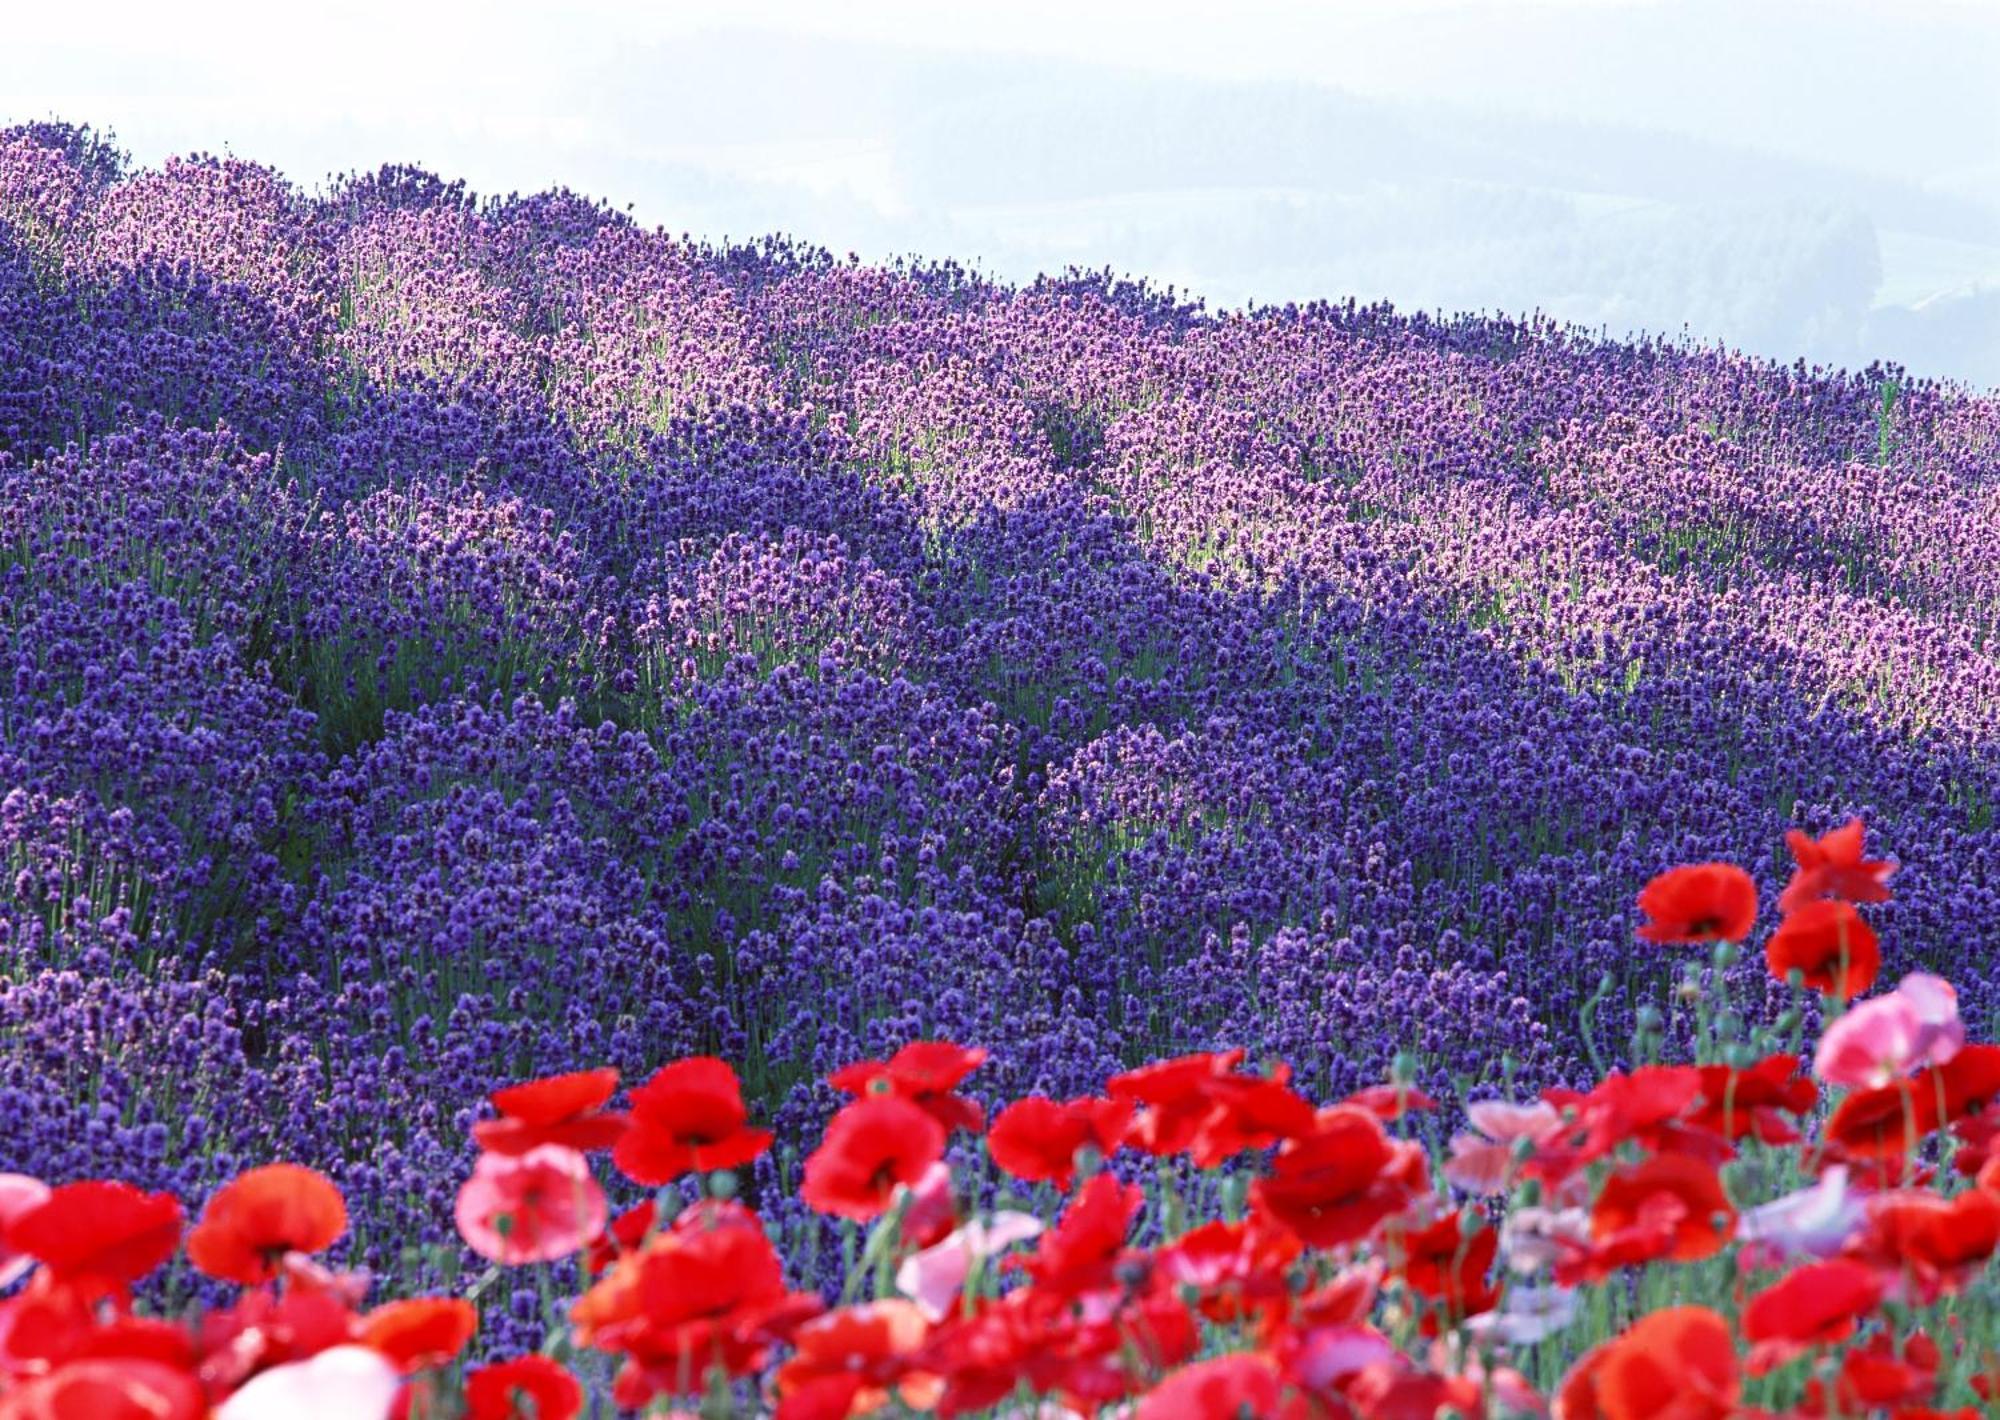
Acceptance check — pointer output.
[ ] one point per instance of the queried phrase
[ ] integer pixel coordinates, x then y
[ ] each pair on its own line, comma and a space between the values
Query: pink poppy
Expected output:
1483, 1161
532, 1207
1878, 1041
932, 1278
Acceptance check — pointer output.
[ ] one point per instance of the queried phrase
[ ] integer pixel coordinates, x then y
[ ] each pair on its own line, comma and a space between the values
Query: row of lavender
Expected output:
443, 641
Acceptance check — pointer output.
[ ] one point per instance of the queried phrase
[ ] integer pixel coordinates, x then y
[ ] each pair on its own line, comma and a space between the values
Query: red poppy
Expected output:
1702, 902
1037, 1140
525, 1388
874, 1146
1649, 1107
1928, 1246
1235, 1268
924, 1072
1079, 1252
1441, 1262
267, 1328
1200, 1106
420, 1333
1334, 1185
689, 1118
1756, 1100
1969, 1081
1884, 1371
99, 1233
625, 1233
1829, 945
260, 1217
1669, 1206
1400, 1392
1678, 1362
557, 1109
108, 1388
1820, 1304
1832, 866
1176, 1095
846, 1361
706, 1296
1389, 1103
1223, 1389
1247, 1112
1886, 1122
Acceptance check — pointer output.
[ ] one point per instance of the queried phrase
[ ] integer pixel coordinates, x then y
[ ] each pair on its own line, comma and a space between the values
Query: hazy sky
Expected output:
1817, 179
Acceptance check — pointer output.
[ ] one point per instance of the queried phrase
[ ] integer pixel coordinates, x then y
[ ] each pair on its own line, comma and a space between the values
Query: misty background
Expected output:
1816, 180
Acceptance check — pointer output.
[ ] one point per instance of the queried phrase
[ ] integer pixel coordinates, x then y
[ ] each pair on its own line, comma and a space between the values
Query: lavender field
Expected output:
446, 640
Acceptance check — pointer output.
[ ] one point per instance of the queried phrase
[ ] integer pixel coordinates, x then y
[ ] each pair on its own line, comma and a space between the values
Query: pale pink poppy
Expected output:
532, 1207
1483, 1161
1327, 1355
1813, 1222
1883, 1039
18, 1193
932, 1210
1534, 1238
340, 1383
932, 1278
1528, 1316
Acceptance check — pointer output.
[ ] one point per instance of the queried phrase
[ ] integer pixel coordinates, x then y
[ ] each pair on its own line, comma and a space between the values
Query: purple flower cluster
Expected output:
445, 641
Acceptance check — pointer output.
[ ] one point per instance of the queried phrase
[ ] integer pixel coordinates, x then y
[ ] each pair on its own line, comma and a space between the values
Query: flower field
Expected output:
590, 820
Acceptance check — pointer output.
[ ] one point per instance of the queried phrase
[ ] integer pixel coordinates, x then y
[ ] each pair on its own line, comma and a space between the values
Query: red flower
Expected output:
1176, 1094
688, 1118
1036, 1140
626, 1233
1970, 1080
1670, 1206
1649, 1107
1223, 1389
1199, 1105
845, 1361
260, 1217
108, 1388
1703, 902
1079, 1252
873, 1146
1389, 1103
1820, 1304
99, 1234
1833, 867
1440, 1262
1885, 1122
1929, 1246
420, 1333
557, 1109
1675, 1364
1828, 943
1875, 1376
1334, 1185
924, 1072
1754, 1101
691, 1300
268, 1328
1235, 1268
525, 1388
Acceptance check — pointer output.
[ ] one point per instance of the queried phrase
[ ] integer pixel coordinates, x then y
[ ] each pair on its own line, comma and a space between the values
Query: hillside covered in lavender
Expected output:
446, 640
